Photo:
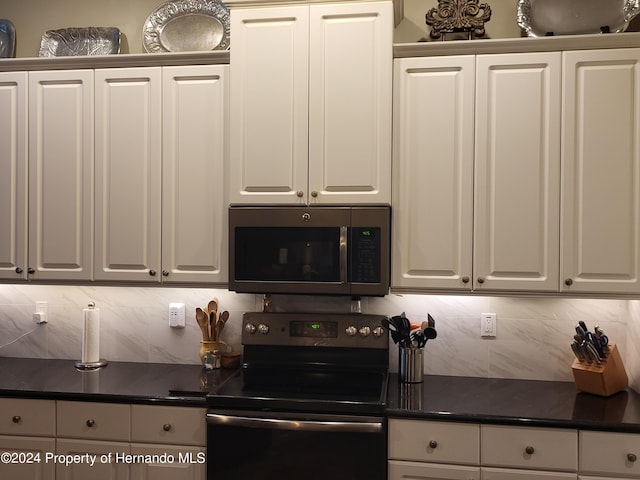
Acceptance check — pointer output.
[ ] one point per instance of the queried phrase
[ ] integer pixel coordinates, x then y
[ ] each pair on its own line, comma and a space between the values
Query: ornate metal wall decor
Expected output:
453, 16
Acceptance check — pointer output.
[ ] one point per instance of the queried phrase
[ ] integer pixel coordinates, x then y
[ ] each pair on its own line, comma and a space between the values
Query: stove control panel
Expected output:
314, 329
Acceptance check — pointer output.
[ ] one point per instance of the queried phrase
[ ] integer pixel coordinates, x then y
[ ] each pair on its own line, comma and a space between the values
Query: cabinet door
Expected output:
269, 105
188, 463
601, 171
433, 172
517, 172
430, 471
350, 93
13, 175
100, 460
128, 174
30, 462
61, 175
509, 474
194, 231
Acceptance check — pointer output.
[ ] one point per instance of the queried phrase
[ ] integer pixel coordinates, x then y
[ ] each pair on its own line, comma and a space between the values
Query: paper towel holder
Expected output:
84, 366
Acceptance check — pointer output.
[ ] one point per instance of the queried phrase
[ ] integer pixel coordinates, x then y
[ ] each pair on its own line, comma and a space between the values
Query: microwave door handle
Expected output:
344, 231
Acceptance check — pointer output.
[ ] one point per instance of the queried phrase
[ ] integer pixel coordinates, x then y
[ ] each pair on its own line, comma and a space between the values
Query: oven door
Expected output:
261, 446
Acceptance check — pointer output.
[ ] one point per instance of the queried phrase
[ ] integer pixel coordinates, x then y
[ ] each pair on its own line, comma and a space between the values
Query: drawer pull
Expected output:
631, 457
529, 450
166, 427
16, 419
433, 444
91, 423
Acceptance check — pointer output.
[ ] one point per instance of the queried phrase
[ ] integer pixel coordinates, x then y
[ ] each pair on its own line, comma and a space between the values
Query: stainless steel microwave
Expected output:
310, 250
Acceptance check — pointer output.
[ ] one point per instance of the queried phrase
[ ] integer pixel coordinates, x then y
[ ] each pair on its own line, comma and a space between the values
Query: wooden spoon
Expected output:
203, 322
224, 316
212, 311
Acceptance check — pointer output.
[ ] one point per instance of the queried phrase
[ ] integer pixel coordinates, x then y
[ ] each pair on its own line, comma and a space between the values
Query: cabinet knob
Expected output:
152, 273
480, 280
433, 444
300, 194
30, 271
16, 419
529, 450
19, 270
166, 427
91, 423
465, 279
314, 194
631, 457
568, 282
165, 273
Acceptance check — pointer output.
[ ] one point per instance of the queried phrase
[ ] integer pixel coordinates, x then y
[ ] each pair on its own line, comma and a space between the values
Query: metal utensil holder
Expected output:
411, 364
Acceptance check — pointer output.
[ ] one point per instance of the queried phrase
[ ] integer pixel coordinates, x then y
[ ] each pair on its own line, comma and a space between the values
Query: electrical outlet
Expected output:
40, 316
488, 325
176, 315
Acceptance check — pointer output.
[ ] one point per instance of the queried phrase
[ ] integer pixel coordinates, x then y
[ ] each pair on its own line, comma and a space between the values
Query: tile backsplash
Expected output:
533, 333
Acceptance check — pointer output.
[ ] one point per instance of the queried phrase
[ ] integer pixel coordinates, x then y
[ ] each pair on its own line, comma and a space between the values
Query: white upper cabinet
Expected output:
433, 172
128, 174
311, 104
456, 115
194, 209
517, 172
350, 102
13, 175
601, 176
61, 175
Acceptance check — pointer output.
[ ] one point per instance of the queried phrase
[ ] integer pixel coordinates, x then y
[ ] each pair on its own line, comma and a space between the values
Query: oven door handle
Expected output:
298, 425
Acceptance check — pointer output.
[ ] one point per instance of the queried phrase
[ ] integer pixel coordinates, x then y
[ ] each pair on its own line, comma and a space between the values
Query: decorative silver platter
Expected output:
187, 26
540, 18
7, 39
80, 41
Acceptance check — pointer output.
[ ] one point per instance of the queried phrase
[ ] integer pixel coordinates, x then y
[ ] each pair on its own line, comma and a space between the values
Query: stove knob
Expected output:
351, 330
250, 328
378, 332
263, 329
365, 331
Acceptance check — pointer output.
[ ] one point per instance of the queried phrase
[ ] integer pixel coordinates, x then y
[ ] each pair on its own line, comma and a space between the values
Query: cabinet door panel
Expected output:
433, 172
128, 173
61, 174
517, 188
189, 463
194, 152
269, 105
35, 448
110, 469
430, 471
13, 175
601, 161
350, 102
507, 474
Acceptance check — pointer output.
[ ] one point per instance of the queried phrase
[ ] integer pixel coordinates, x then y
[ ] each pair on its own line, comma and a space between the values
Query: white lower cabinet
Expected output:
431, 450
27, 431
399, 470
610, 455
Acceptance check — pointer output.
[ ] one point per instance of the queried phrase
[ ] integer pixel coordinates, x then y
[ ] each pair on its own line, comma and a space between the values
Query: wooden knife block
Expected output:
605, 379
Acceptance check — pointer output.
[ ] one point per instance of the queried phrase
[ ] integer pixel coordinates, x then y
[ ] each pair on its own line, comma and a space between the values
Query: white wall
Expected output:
532, 342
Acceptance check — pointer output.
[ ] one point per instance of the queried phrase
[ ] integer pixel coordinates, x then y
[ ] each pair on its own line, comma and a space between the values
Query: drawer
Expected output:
437, 442
610, 453
94, 421
168, 425
539, 448
20, 416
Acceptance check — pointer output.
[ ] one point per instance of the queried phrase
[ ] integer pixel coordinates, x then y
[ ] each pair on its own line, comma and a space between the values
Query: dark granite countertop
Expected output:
118, 382
512, 402
444, 398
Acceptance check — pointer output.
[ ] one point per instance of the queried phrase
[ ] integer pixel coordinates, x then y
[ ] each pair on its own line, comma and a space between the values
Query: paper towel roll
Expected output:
91, 336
